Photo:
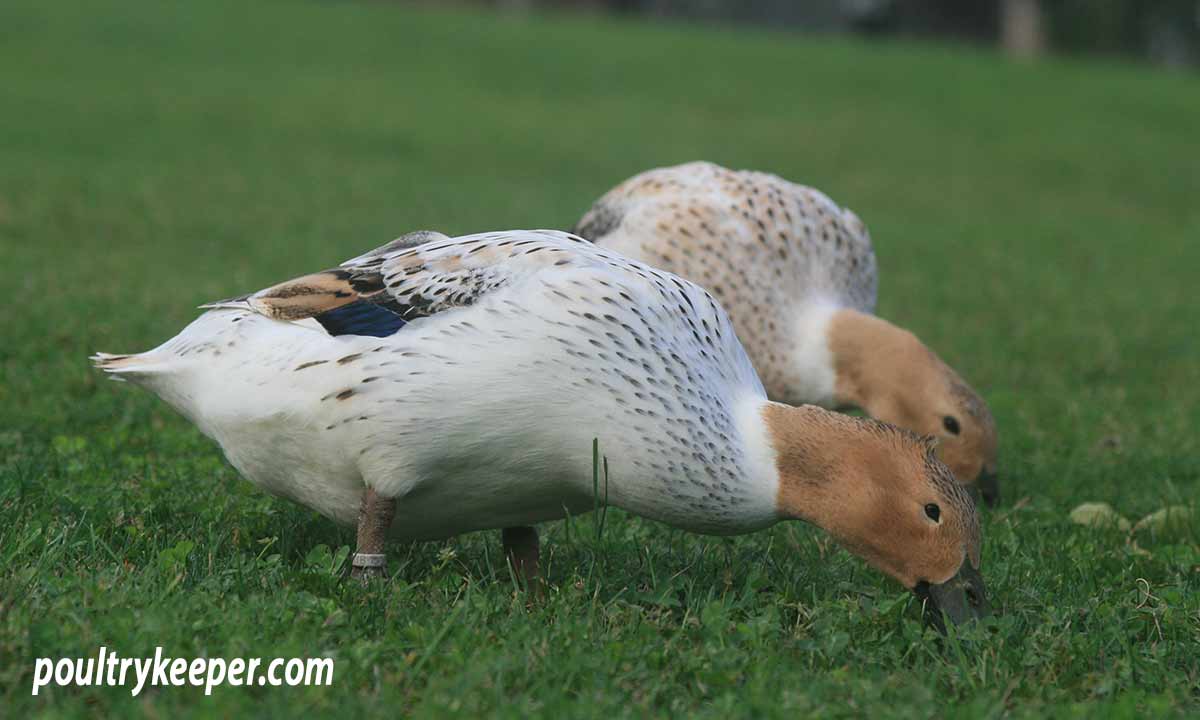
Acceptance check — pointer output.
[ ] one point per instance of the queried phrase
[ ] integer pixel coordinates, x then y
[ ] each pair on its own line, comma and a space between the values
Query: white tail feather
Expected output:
134, 365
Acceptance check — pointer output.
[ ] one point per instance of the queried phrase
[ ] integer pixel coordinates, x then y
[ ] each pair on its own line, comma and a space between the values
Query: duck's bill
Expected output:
989, 488
962, 598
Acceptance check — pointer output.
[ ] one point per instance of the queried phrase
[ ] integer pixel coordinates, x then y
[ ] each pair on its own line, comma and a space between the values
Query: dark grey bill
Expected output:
989, 487
962, 598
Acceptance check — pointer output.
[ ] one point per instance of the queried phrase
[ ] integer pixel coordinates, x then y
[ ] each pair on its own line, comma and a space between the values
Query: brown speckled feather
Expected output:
756, 241
414, 276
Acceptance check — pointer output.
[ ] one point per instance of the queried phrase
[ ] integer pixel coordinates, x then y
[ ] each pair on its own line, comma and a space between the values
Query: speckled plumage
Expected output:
762, 245
519, 348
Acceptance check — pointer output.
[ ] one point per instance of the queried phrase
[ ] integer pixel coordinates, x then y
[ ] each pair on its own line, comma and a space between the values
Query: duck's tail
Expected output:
129, 367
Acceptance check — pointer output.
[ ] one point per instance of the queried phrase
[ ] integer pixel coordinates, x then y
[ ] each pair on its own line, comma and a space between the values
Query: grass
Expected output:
1036, 224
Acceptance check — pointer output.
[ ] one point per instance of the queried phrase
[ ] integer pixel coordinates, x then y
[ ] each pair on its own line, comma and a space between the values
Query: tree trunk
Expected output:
1021, 28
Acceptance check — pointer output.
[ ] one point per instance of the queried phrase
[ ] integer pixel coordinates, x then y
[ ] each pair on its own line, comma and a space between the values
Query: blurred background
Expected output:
1164, 32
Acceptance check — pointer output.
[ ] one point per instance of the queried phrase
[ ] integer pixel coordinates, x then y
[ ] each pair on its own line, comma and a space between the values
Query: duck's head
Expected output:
883, 494
888, 372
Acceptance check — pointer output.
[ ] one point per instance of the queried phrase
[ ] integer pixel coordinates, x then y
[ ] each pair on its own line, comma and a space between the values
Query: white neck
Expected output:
759, 462
811, 374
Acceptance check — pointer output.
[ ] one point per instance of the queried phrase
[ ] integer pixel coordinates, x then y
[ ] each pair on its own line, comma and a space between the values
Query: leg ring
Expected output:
369, 560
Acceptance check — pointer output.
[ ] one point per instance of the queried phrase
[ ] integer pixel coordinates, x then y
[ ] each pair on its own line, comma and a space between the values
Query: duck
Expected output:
799, 277
437, 386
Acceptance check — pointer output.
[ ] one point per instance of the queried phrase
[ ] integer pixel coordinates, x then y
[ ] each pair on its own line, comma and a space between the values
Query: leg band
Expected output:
369, 560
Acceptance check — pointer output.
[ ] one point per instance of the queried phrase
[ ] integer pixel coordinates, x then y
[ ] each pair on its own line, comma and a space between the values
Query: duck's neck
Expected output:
872, 361
815, 456
758, 462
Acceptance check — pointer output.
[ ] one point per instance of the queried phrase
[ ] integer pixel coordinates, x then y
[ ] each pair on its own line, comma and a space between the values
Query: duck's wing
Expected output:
415, 276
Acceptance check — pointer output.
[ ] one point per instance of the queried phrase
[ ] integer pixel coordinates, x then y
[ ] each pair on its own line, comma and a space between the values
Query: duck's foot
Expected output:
521, 549
374, 518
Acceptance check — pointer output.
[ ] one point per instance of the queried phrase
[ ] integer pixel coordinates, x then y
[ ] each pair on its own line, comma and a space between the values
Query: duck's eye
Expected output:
951, 424
933, 512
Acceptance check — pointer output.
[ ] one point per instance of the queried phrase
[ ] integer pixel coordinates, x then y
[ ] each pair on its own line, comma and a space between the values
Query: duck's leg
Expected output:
374, 518
521, 549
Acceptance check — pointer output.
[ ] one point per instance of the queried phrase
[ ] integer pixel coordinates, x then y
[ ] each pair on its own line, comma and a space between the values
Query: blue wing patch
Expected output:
360, 318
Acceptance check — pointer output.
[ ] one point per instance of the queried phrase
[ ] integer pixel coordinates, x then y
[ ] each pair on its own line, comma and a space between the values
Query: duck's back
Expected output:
765, 247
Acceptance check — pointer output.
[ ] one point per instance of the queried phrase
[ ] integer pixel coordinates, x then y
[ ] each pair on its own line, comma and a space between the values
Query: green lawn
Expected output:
1038, 225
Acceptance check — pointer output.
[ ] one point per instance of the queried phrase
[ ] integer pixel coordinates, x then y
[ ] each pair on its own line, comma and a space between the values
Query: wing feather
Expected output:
417, 275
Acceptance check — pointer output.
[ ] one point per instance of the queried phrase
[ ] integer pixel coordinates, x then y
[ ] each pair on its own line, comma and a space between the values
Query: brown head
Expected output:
889, 373
882, 493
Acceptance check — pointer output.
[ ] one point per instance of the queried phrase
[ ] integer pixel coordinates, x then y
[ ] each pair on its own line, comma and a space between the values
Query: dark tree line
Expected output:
1163, 31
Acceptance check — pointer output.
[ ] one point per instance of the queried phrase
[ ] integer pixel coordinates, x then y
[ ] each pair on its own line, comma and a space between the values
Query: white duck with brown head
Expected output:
798, 276
422, 392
